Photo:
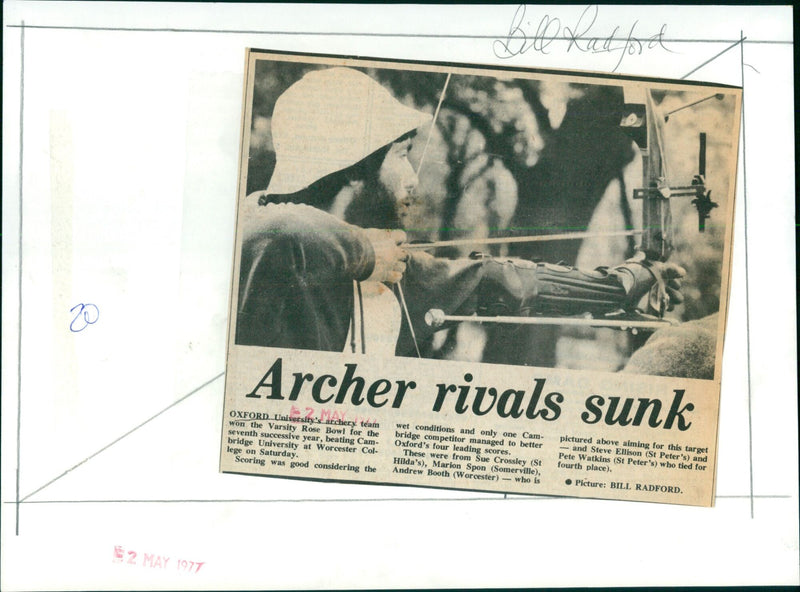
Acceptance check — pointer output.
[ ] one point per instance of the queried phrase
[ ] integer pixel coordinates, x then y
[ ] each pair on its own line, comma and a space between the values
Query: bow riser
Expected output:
657, 239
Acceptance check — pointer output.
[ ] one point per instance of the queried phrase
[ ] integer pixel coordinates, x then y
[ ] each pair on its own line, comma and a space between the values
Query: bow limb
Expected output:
656, 215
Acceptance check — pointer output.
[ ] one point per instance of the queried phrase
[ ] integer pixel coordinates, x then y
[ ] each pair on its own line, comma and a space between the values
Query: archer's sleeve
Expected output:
303, 245
505, 286
296, 274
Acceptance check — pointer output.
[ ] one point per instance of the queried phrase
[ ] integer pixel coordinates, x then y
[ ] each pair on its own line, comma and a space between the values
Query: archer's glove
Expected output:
659, 281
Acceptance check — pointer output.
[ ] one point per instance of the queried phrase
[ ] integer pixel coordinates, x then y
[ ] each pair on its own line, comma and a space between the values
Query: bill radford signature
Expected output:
580, 37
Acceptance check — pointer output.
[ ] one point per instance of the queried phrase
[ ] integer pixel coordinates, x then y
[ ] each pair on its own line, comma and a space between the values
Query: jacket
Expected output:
296, 275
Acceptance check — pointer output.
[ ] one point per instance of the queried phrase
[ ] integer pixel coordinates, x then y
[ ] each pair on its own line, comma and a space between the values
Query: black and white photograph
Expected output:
500, 216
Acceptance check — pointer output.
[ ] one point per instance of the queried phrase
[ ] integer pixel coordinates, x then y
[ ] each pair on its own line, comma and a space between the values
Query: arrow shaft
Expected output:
518, 239
619, 323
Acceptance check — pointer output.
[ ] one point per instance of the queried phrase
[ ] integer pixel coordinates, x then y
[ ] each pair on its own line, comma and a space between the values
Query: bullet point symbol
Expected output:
568, 481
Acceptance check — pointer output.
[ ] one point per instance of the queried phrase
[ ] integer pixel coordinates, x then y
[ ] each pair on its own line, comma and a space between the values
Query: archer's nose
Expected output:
410, 181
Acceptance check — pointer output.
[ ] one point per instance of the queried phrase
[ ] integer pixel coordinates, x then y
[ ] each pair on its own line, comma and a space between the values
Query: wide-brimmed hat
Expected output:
329, 120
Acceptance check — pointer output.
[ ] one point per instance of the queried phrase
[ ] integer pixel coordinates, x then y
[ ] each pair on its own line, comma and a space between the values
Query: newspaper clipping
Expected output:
491, 279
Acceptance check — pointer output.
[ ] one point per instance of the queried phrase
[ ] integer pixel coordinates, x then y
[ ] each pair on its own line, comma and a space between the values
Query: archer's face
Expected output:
398, 177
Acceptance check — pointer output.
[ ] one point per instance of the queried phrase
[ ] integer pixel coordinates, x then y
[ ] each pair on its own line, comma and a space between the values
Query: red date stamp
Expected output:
154, 561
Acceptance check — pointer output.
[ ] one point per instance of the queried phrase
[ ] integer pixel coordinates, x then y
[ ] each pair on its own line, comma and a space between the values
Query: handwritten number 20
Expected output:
85, 315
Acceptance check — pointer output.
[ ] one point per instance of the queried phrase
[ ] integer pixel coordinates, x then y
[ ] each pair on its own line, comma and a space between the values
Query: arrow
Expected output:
436, 318
517, 239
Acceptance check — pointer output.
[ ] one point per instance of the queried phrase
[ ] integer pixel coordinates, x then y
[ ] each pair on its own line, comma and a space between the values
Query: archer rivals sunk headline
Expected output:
480, 400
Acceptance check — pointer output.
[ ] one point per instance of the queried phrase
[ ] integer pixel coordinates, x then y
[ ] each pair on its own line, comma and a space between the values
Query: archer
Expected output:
324, 262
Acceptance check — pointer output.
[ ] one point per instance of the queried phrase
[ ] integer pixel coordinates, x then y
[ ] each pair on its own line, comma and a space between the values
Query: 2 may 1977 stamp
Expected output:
155, 561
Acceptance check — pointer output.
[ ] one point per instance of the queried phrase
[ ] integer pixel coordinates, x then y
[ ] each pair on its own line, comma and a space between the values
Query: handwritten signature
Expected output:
87, 314
580, 37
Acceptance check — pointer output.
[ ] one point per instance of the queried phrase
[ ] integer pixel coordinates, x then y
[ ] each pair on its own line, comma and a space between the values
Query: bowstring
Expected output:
433, 123
419, 168
408, 317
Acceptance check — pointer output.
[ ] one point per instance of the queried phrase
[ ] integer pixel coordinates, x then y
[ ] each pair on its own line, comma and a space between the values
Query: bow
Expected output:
656, 231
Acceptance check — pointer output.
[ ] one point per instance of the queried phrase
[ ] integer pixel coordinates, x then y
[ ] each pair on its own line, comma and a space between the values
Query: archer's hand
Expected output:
660, 281
390, 258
